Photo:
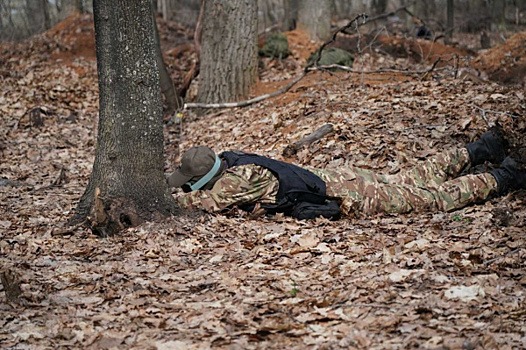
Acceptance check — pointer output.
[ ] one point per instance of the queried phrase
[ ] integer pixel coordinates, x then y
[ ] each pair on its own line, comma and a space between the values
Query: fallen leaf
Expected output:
464, 293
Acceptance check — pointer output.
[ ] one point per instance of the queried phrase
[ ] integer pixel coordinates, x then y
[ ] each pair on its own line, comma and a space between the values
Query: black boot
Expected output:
490, 147
510, 176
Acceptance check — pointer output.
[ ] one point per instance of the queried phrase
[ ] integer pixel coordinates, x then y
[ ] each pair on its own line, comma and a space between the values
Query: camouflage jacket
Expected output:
239, 185
252, 183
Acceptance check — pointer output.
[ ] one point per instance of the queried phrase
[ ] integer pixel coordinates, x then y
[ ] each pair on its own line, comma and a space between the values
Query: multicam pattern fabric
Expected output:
431, 186
239, 185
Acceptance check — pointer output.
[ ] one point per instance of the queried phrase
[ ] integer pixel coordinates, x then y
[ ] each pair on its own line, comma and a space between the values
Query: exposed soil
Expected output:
505, 63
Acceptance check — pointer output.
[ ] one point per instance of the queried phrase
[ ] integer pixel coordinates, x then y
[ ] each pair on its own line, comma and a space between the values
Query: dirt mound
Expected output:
505, 63
76, 37
421, 50
301, 45
417, 50
70, 39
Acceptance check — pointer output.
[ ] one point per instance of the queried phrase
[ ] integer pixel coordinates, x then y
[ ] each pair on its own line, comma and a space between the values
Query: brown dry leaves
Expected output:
443, 280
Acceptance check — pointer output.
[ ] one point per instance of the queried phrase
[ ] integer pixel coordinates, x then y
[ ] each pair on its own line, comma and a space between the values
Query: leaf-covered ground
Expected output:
432, 281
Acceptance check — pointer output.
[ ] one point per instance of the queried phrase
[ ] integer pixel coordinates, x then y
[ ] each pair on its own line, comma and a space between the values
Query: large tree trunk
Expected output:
127, 184
229, 51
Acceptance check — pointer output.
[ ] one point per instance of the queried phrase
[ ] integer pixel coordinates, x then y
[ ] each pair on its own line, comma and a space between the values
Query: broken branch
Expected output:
382, 70
307, 140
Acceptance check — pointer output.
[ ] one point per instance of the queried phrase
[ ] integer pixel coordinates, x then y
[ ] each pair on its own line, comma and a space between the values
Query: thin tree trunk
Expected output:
450, 19
499, 13
314, 16
291, 14
38, 16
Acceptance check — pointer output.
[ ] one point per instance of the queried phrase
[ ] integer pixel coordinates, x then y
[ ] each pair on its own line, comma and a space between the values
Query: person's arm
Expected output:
239, 185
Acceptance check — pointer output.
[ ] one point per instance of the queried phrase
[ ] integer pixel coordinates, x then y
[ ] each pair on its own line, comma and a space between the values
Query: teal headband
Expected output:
207, 177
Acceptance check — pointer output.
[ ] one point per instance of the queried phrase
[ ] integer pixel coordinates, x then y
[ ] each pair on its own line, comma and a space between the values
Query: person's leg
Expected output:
491, 146
432, 172
373, 197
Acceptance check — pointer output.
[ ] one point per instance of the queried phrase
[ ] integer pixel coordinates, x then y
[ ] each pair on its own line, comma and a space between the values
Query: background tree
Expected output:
379, 6
290, 17
20, 19
498, 9
314, 16
38, 10
450, 19
127, 185
228, 51
172, 100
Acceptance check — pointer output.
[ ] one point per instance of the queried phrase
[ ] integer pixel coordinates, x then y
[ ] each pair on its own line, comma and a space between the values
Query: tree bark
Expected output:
127, 185
314, 16
171, 98
229, 51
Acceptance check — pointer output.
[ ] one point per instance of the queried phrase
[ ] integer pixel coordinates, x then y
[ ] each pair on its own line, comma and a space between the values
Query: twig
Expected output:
247, 102
371, 305
56, 183
491, 261
392, 13
494, 112
484, 111
69, 230
333, 38
381, 70
431, 69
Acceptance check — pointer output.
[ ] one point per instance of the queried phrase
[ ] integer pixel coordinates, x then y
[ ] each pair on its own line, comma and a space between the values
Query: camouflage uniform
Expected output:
432, 186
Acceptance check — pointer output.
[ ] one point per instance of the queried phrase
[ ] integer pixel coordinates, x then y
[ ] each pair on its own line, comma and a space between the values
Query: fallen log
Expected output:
307, 140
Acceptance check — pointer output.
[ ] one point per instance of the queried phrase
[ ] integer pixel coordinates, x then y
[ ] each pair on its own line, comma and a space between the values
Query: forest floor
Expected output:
421, 280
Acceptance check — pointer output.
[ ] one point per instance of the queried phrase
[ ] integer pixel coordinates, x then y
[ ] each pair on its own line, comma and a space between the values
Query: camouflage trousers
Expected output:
434, 185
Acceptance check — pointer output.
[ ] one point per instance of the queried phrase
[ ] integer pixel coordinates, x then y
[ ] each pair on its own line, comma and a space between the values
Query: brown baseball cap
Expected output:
195, 163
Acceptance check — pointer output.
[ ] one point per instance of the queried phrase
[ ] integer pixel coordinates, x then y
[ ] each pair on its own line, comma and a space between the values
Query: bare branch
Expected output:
307, 140
247, 102
333, 38
381, 70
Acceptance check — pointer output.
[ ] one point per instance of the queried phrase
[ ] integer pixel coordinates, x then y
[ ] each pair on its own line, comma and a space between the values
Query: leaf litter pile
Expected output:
434, 280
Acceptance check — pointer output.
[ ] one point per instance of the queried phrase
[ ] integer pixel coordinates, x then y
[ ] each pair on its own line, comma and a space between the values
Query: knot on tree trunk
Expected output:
109, 215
